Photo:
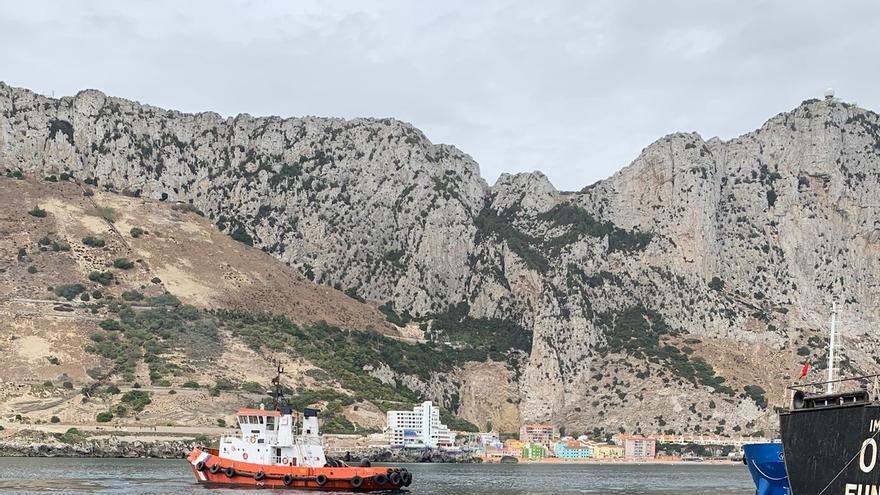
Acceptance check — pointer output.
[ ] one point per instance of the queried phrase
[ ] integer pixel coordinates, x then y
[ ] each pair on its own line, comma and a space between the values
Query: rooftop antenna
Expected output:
277, 389
829, 94
831, 344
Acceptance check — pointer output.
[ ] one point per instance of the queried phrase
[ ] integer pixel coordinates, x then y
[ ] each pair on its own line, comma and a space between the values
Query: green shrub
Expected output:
221, 422
69, 291
804, 351
716, 284
132, 295
92, 241
104, 417
50, 178
97, 294
15, 174
103, 278
136, 399
60, 246
105, 212
136, 232
156, 280
44, 241
123, 263
67, 385
110, 325
88, 193
757, 394
32, 269
85, 297
112, 390
37, 212
191, 384
54, 419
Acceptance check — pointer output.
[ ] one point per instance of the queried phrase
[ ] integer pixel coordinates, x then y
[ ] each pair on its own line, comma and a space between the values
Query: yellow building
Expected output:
605, 451
513, 444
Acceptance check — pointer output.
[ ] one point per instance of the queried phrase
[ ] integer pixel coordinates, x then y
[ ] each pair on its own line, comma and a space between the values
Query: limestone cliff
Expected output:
655, 300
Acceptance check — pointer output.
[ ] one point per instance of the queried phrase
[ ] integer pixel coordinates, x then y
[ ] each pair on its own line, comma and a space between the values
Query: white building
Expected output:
419, 428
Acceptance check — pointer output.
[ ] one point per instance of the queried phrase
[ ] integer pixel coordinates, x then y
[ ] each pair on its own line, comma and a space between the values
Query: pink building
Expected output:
636, 446
539, 433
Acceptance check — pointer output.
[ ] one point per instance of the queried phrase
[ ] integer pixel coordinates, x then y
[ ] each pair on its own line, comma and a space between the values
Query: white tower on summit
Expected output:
829, 94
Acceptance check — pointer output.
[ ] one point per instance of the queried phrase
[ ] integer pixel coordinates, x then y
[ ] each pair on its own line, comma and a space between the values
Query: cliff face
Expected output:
653, 300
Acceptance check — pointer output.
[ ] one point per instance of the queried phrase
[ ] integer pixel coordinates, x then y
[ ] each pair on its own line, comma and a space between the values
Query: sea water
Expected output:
150, 476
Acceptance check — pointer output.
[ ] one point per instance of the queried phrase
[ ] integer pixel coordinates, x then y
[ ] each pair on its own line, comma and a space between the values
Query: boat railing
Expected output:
863, 381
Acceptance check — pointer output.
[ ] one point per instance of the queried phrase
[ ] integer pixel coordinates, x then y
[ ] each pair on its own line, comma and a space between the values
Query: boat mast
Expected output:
277, 390
831, 344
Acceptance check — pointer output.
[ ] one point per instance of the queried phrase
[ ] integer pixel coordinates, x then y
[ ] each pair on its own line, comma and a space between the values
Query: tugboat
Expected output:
269, 454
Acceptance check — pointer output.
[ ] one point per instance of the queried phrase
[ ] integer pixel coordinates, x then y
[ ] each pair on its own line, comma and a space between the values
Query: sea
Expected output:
152, 476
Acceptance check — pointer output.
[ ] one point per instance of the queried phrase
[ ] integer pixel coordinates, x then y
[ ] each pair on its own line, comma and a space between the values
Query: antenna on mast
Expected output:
831, 345
277, 389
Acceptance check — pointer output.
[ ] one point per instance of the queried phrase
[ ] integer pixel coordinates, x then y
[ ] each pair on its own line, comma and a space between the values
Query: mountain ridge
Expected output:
686, 264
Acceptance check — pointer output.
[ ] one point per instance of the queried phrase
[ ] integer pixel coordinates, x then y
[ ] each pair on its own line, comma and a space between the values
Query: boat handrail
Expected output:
862, 378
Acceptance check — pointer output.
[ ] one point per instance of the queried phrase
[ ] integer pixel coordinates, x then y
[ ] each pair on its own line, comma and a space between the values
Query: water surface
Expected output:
26, 476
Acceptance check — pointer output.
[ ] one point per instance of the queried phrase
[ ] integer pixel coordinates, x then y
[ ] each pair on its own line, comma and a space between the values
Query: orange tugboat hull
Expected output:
210, 468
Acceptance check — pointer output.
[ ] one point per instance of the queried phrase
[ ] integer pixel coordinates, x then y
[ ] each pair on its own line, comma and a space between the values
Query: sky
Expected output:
575, 89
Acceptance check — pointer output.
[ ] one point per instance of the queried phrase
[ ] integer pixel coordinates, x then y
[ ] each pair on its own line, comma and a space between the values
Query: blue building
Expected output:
572, 449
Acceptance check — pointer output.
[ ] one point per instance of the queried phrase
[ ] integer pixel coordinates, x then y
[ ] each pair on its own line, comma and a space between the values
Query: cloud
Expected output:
575, 89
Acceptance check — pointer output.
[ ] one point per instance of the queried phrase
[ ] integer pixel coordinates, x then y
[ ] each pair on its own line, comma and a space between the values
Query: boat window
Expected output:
270, 423
253, 419
242, 420
261, 419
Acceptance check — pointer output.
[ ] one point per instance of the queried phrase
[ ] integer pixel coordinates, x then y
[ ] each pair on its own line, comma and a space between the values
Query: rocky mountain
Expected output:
678, 295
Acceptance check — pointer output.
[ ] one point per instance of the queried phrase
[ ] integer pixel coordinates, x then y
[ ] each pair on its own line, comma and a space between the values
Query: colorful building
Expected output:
572, 449
539, 433
607, 451
533, 451
637, 446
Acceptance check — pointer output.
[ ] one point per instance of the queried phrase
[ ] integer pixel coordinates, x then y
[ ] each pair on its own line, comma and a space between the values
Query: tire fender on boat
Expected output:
357, 481
259, 476
287, 480
394, 478
321, 480
215, 468
200, 466
229, 472
380, 479
407, 478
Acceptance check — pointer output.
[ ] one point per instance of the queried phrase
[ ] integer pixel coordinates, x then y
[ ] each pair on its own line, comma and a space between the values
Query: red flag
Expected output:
805, 369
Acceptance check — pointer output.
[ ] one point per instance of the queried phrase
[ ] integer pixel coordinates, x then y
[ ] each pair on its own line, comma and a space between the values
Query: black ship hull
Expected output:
832, 449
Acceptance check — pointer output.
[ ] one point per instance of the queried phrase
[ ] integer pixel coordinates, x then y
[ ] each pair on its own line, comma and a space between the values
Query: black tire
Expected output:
394, 478
365, 463
260, 476
407, 478
287, 480
200, 466
215, 468
321, 480
380, 479
229, 472
357, 481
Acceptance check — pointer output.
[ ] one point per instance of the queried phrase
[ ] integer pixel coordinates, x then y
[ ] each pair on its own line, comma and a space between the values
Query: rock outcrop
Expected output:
679, 294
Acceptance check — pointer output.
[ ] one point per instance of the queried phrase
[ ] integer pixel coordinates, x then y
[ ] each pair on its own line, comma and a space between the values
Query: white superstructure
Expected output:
419, 428
269, 437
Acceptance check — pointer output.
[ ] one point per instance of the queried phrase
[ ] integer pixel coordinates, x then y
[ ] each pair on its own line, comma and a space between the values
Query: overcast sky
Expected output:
572, 88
